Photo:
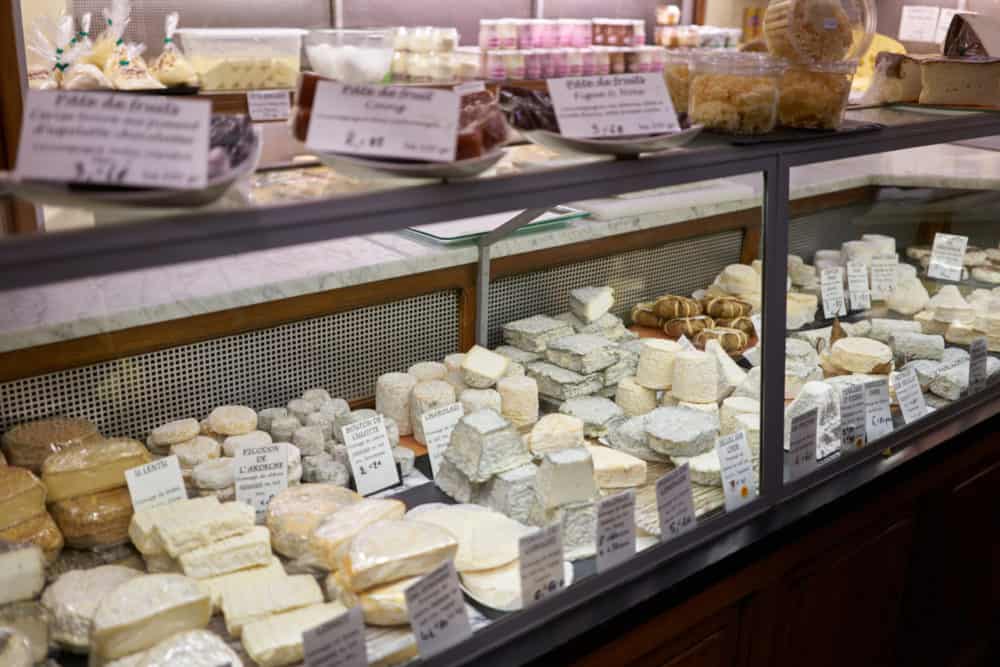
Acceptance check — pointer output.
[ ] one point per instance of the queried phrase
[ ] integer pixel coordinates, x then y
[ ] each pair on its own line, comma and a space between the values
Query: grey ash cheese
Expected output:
260, 467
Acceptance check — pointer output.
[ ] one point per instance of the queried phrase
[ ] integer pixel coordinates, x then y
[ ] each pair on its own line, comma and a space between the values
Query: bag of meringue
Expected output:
113, 37
49, 41
172, 67
81, 74
128, 71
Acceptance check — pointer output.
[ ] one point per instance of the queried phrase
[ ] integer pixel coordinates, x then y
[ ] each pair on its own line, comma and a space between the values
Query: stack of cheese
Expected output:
23, 517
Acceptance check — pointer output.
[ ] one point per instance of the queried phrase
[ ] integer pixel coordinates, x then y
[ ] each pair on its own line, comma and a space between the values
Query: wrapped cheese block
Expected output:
194, 647
142, 529
276, 641
28, 445
222, 585
383, 606
40, 530
388, 551
338, 528
295, 513
94, 521
22, 496
244, 606
15, 648
90, 468
73, 600
128, 71
32, 620
82, 74
727, 307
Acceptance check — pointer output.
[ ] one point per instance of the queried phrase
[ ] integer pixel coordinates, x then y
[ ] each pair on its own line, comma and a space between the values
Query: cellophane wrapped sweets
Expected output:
819, 31
48, 41
127, 70
81, 73
116, 18
172, 68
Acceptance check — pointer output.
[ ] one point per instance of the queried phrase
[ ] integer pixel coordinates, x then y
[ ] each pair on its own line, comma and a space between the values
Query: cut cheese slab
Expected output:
295, 513
93, 467
591, 303
194, 648
22, 496
185, 529
28, 445
146, 610
556, 431
142, 529
484, 444
337, 530
616, 470
22, 572
565, 476
534, 334
97, 520
217, 587
388, 551
252, 549
73, 600
485, 539
481, 368
277, 641
248, 604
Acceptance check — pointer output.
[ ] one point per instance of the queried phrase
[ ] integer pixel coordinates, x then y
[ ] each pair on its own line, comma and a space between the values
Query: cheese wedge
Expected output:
252, 549
277, 641
388, 551
246, 604
295, 513
91, 468
331, 537
217, 587
486, 539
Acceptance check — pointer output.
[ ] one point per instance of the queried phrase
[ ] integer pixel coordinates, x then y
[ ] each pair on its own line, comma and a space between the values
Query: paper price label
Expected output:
265, 105
911, 399
944, 22
686, 344
438, 425
857, 285
370, 455
615, 530
261, 474
437, 610
802, 443
878, 415
337, 643
852, 417
675, 503
542, 559
114, 139
918, 23
617, 105
384, 121
884, 276
978, 351
947, 257
832, 288
156, 483
738, 479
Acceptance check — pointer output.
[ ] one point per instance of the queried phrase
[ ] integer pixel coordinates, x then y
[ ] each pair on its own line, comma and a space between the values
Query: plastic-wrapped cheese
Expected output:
633, 398
142, 529
15, 648
427, 396
382, 606
40, 530
194, 648
486, 539
300, 409
28, 445
276, 641
92, 467
860, 355
556, 431
32, 620
474, 400
243, 606
232, 420
218, 587
519, 400
388, 551
195, 451
656, 363
97, 520
22, 496
695, 377
73, 600
392, 398
336, 530
295, 513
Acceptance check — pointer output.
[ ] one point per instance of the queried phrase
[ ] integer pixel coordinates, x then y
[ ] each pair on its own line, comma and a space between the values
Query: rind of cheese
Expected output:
596, 413
388, 551
695, 377
382, 606
22, 496
180, 532
243, 606
519, 400
533, 334
276, 641
295, 513
909, 346
582, 353
512, 493
427, 396
616, 470
456, 484
252, 549
705, 468
196, 451
40, 530
335, 532
884, 329
217, 587
590, 303
232, 420
499, 588
32, 620
556, 431
142, 529
174, 432
860, 355
392, 398
959, 81
215, 474
484, 444
194, 648
425, 371
481, 368
656, 363
22, 571
733, 406
565, 476
73, 600
562, 384
92, 467
28, 445
485, 539
97, 520
633, 398
680, 431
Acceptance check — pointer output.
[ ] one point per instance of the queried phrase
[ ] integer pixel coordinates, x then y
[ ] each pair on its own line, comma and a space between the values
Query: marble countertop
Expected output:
75, 309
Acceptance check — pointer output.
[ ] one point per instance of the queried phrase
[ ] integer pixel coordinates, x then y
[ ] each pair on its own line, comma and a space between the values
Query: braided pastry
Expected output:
687, 326
731, 340
726, 307
671, 306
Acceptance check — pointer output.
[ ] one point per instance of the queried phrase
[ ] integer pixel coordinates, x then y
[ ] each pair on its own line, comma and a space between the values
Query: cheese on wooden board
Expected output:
194, 648
392, 398
33, 621
146, 610
656, 363
590, 303
705, 468
73, 600
174, 432
22, 496
92, 467
218, 587
533, 334
486, 539
512, 493
582, 353
15, 649
695, 377
860, 355
519, 400
595, 412
616, 470
252, 549
387, 551
425, 371
268, 596
428, 396
680, 431
481, 368
197, 450
339, 527
560, 383
22, 572
277, 641
40, 530
633, 398
232, 420
733, 406
556, 431
565, 476
97, 520
484, 444
184, 529
295, 513
28, 445
142, 529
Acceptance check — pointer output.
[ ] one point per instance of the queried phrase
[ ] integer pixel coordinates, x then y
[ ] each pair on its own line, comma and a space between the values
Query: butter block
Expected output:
94, 521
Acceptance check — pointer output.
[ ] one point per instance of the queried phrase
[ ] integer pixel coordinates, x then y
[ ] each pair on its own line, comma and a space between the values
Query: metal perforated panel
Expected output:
680, 267
343, 353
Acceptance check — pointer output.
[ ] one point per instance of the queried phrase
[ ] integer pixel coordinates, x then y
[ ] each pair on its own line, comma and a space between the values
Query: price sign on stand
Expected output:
675, 503
878, 415
857, 286
738, 479
978, 351
947, 257
802, 443
615, 105
615, 530
337, 643
542, 573
437, 610
911, 399
884, 276
438, 425
852, 417
918, 23
261, 474
370, 455
832, 288
115, 139
156, 483
268, 105
384, 121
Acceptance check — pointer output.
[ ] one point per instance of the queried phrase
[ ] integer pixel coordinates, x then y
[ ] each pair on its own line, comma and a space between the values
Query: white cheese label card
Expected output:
857, 286
675, 503
832, 288
542, 573
884, 276
261, 473
265, 105
438, 425
738, 479
918, 23
878, 415
615, 530
370, 455
977, 364
947, 257
615, 105
437, 610
339, 642
802, 443
115, 139
911, 399
685, 344
944, 22
156, 483
852, 417
384, 121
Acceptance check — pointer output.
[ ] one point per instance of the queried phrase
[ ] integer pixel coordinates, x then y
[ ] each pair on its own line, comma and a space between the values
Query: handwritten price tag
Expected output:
114, 139
438, 425
947, 257
156, 483
542, 559
852, 417
437, 610
618, 105
802, 443
261, 474
884, 276
337, 643
978, 351
675, 503
911, 399
266, 105
615, 530
857, 285
878, 415
738, 479
832, 288
370, 455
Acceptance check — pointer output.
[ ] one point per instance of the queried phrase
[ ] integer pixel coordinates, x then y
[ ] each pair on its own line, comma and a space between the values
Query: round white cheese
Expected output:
232, 420
696, 377
427, 396
425, 371
519, 400
734, 406
174, 432
195, 451
214, 474
392, 398
633, 398
474, 400
656, 363
231, 445
860, 355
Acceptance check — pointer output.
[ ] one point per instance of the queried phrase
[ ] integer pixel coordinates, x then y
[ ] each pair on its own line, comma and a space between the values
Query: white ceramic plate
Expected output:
367, 168
567, 575
622, 147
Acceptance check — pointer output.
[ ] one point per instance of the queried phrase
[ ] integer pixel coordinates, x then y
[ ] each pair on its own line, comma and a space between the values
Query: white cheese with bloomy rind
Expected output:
481, 368
565, 476
457, 381
33, 621
427, 396
519, 400
338, 528
517, 355
195, 648
214, 474
705, 468
513, 492
730, 374
533, 334
695, 377
217, 587
388, 551
252, 549
629, 436
196, 451
486, 539
22, 496
860, 355
473, 400
590, 303
556, 431
244, 605
276, 641
951, 382
456, 484
484, 444
909, 346
797, 375
579, 527
633, 398
295, 513
711, 409
594, 411
909, 297
300, 409
174, 432
425, 371
282, 430
925, 370
231, 445
91, 467
499, 588
232, 420
185, 529
146, 610
656, 363
142, 529
826, 400
680, 431
733, 406
562, 384
616, 470
883, 330
582, 353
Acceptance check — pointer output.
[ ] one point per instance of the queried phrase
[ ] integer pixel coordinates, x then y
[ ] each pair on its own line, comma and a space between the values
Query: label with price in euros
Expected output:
370, 455
616, 105
437, 610
675, 503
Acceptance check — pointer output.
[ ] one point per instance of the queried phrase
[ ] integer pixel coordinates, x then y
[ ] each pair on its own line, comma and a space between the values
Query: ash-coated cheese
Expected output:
146, 610
231, 445
562, 384
94, 521
730, 374
196, 451
705, 469
582, 353
295, 513
883, 330
348, 418
317, 396
282, 429
517, 355
608, 325
334, 408
184, 529
388, 551
595, 412
484, 444
22, 496
405, 459
322, 422
73, 598
473, 400
519, 400
626, 366
276, 641
252, 549
309, 440
860, 355
925, 370
629, 436
245, 605
218, 587
456, 484
796, 377
427, 396
616, 470
232, 420
33, 621
533, 334
579, 527
324, 468
337, 529
392, 398
826, 400
300, 409
680, 431
733, 406
425, 371
590, 303
909, 346
656, 363
91, 467
695, 377
513, 492
481, 368
174, 432
194, 648
565, 476
556, 431
633, 398
267, 416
